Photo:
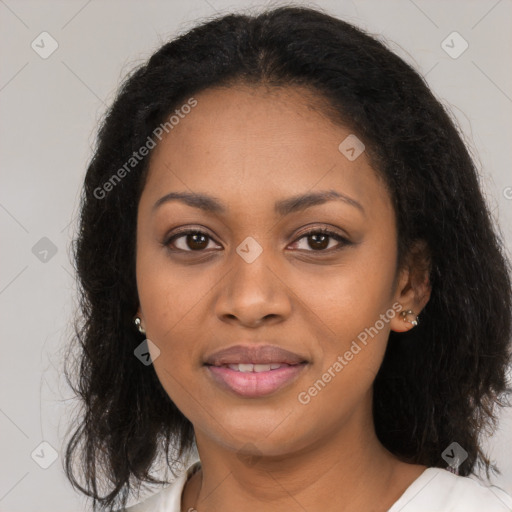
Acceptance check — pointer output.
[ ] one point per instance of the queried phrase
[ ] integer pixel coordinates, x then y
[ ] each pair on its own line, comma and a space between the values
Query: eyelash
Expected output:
324, 231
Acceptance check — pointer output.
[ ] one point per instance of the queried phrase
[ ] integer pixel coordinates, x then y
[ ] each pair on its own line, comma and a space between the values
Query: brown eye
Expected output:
319, 239
193, 241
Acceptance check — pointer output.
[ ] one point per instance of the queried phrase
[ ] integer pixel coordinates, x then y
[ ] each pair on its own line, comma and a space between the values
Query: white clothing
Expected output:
435, 490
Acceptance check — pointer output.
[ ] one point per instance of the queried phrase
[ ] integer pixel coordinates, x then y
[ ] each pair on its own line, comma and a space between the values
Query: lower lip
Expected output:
255, 384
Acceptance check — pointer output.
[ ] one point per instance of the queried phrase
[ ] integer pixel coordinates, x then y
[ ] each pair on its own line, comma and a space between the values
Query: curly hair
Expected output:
438, 383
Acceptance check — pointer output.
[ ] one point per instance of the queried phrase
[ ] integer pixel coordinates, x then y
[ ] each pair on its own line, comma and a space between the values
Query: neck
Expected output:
346, 470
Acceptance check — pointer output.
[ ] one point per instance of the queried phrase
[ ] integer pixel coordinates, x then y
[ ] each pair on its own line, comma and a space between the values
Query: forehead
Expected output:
259, 144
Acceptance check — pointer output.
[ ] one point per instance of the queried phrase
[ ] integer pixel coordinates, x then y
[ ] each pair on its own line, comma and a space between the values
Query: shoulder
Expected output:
169, 499
439, 490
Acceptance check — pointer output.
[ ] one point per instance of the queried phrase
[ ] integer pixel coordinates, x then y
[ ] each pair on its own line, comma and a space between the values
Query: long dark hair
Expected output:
438, 383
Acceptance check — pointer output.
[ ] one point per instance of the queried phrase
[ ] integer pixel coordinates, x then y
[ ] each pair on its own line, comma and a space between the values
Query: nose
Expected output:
253, 292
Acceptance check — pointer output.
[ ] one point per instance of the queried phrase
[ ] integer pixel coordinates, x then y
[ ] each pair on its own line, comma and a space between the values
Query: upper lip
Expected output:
254, 354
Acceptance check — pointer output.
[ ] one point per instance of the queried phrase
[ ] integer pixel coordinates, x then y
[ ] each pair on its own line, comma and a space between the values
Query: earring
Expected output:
139, 325
407, 313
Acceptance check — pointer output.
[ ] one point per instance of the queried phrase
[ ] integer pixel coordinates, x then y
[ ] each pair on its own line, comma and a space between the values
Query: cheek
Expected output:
350, 312
170, 298
171, 295
349, 297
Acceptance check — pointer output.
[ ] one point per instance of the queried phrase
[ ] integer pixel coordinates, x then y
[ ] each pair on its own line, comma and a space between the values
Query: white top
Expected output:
435, 490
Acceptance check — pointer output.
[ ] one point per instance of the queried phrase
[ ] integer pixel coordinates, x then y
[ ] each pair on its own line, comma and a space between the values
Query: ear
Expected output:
413, 286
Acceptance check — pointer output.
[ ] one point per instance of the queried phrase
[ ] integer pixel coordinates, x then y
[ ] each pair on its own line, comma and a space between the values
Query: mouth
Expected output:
254, 368
254, 371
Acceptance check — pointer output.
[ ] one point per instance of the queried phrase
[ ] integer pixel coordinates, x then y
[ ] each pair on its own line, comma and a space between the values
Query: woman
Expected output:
291, 286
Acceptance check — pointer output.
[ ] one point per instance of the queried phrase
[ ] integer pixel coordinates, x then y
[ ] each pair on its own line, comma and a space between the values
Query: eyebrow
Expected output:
283, 207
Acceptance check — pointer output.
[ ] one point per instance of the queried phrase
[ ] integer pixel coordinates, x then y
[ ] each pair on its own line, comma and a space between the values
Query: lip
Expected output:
254, 384
254, 354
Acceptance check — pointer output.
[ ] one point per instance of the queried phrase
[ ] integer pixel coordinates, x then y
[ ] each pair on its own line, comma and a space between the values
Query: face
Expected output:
258, 271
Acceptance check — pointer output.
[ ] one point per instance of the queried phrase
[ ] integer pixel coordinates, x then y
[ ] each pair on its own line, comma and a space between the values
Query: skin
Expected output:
250, 147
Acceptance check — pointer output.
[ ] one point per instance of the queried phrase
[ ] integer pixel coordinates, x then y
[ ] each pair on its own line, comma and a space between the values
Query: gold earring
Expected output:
406, 314
139, 325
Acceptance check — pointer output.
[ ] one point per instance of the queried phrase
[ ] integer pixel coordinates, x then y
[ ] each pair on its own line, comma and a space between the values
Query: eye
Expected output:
195, 240
319, 240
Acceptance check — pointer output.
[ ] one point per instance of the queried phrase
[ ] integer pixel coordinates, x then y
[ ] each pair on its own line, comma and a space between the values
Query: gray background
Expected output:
50, 109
